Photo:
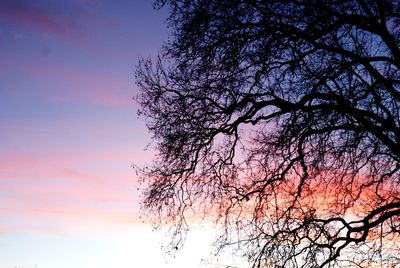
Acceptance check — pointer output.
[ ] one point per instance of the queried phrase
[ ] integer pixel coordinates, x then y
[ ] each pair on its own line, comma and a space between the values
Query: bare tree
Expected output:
280, 120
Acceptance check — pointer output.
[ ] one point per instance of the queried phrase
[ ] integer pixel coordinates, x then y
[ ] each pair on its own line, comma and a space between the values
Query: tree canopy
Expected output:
279, 120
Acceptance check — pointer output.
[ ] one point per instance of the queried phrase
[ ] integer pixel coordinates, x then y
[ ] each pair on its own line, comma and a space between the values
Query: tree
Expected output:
281, 121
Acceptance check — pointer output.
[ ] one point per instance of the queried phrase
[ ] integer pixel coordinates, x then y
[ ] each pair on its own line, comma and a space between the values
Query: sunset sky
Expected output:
69, 135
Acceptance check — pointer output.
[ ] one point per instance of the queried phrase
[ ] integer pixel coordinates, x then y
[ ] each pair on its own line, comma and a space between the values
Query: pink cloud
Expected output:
61, 165
48, 193
60, 25
66, 220
20, 13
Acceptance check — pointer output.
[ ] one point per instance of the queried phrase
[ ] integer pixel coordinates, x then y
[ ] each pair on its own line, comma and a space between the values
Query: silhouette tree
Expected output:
279, 120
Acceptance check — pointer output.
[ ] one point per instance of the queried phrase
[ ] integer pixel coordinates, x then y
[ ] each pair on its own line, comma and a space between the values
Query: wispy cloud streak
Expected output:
55, 22
53, 192
22, 13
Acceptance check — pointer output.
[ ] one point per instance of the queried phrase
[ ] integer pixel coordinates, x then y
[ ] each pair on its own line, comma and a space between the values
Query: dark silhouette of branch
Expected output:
280, 121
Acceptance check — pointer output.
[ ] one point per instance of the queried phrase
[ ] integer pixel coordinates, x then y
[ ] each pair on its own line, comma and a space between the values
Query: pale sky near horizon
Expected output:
69, 135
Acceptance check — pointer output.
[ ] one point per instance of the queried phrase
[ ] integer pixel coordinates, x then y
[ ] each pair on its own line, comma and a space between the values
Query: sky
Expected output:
69, 135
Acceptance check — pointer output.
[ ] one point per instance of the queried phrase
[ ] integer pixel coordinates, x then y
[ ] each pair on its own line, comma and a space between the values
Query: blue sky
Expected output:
69, 134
